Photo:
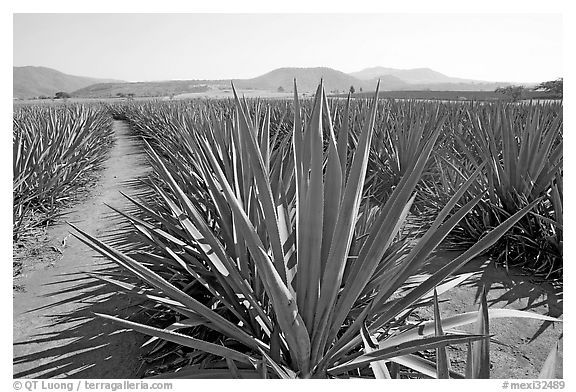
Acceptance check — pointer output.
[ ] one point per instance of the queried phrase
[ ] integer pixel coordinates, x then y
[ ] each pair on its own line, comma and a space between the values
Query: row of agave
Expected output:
521, 148
529, 150
263, 256
519, 145
56, 149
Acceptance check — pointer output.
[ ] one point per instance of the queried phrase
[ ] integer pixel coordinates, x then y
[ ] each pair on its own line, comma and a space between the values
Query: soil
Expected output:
57, 335
55, 331
519, 346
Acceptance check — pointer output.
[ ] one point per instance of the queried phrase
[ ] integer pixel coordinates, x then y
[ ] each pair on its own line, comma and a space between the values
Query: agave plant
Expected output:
520, 147
524, 153
400, 137
270, 261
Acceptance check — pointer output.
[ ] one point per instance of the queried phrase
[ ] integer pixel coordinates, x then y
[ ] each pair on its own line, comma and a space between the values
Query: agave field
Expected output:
282, 238
56, 151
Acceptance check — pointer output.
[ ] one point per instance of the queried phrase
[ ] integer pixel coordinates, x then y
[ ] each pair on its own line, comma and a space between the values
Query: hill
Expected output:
373, 72
307, 80
29, 82
411, 76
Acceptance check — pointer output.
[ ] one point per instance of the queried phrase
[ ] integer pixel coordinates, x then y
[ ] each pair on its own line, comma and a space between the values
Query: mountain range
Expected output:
32, 82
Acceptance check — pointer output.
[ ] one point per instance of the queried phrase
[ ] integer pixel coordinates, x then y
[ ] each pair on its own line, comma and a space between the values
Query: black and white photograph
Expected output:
252, 194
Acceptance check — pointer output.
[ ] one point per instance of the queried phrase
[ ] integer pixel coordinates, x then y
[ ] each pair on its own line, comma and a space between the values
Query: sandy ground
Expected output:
55, 332
519, 346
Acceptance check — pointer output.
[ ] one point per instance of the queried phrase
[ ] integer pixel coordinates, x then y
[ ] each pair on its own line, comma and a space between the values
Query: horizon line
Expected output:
466, 79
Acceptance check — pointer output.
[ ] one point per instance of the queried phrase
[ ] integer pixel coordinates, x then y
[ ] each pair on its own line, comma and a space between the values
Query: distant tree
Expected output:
513, 93
555, 87
120, 95
360, 89
352, 90
130, 95
280, 89
62, 95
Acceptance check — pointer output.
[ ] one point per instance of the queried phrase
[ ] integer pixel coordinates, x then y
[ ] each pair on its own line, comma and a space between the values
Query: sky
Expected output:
146, 47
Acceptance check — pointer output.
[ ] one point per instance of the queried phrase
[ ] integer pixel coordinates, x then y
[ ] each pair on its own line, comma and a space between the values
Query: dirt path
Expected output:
55, 333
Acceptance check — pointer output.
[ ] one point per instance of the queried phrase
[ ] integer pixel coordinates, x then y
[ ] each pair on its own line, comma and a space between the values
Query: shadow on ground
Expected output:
520, 345
87, 342
511, 286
